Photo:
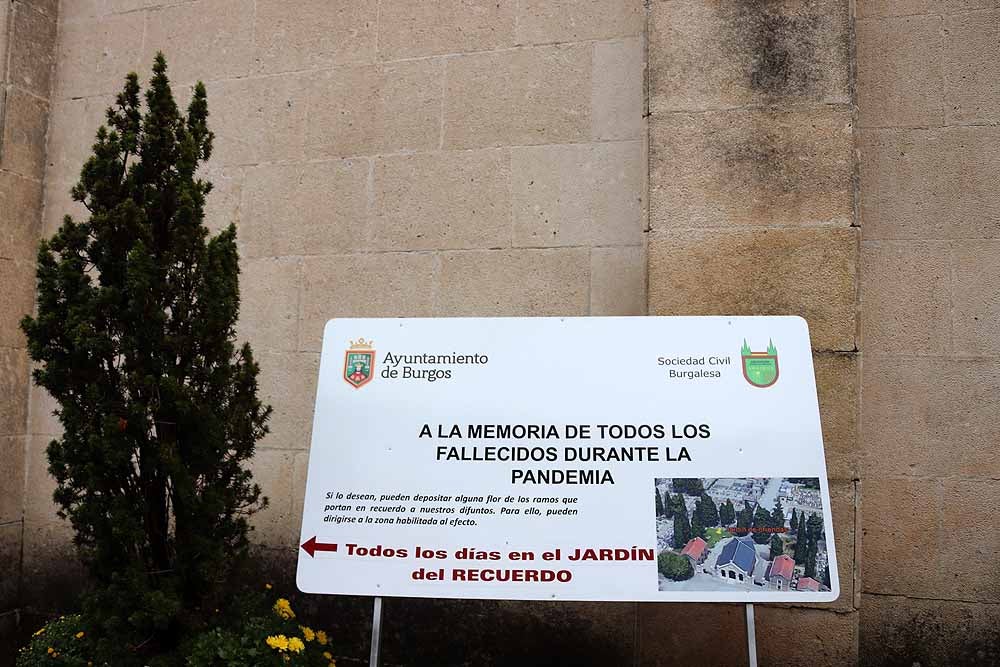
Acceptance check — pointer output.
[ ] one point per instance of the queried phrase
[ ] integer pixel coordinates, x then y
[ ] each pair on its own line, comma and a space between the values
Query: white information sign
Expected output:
645, 458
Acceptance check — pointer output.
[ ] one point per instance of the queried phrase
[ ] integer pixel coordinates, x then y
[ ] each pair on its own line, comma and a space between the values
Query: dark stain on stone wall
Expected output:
781, 50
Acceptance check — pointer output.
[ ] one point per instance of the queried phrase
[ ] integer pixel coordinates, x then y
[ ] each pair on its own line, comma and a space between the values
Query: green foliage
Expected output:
761, 522
777, 546
63, 641
674, 566
745, 350
771, 349
659, 502
689, 487
682, 525
707, 511
135, 340
243, 640
237, 637
727, 513
793, 524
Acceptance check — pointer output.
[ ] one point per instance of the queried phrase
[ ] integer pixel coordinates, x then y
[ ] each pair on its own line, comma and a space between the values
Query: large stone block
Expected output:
618, 281
58, 204
899, 79
414, 28
313, 34
930, 184
375, 109
708, 634
53, 575
269, 303
41, 420
879, 8
305, 208
258, 119
277, 525
837, 382
20, 216
288, 385
442, 200
900, 537
816, 637
518, 97
14, 389
971, 87
40, 485
483, 283
929, 417
32, 49
967, 536
807, 272
977, 298
73, 125
201, 40
47, 7
17, 299
580, 194
10, 555
906, 297
618, 94
368, 285
12, 473
548, 21
223, 204
24, 120
5, 18
751, 167
718, 55
94, 56
904, 630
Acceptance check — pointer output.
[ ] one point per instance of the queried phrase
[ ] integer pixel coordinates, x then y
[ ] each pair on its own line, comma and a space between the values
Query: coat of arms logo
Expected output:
359, 363
760, 368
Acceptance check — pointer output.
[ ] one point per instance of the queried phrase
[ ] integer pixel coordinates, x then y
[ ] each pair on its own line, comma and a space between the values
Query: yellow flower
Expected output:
278, 643
51, 651
333, 663
307, 633
40, 631
295, 645
79, 635
268, 586
321, 637
326, 654
283, 609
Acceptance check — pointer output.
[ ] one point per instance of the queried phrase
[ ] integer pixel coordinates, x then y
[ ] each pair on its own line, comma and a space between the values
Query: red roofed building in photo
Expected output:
779, 577
696, 549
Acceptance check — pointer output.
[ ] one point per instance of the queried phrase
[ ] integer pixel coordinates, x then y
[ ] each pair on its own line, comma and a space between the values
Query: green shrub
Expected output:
259, 630
63, 641
674, 566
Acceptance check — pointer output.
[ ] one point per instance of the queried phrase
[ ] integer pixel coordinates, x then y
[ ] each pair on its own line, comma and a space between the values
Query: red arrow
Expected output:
311, 546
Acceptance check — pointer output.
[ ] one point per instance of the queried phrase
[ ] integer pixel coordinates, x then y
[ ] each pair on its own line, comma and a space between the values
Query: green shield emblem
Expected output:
760, 368
359, 365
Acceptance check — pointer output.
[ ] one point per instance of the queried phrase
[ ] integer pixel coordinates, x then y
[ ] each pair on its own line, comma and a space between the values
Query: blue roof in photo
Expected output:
740, 553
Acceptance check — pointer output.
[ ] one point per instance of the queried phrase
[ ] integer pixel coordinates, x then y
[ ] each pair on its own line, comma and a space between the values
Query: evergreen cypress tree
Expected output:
727, 513
777, 547
135, 339
761, 522
811, 552
793, 524
682, 526
659, 502
709, 511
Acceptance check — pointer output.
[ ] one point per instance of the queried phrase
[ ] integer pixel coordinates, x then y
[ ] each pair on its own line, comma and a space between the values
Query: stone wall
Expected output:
752, 212
929, 98
27, 41
463, 157
404, 158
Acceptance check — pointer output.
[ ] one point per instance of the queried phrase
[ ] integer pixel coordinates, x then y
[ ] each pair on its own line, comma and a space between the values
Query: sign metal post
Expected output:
751, 636
374, 658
